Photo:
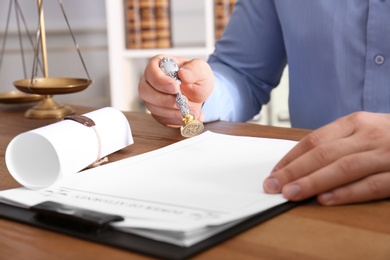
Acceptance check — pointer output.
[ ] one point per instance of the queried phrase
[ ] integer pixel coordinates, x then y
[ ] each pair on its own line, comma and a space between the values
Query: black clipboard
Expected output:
135, 243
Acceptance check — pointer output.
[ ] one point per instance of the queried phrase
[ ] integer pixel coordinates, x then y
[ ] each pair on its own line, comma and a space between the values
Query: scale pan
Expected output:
52, 86
17, 97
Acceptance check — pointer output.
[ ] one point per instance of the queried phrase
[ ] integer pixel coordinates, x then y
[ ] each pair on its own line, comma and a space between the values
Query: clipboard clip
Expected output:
73, 218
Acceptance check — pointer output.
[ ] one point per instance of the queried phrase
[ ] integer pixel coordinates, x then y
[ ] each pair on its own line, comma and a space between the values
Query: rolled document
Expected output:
38, 158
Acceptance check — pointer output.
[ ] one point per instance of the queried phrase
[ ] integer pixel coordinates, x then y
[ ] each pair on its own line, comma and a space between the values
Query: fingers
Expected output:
337, 162
346, 170
334, 131
197, 80
170, 116
306, 164
312, 153
165, 116
158, 91
154, 95
157, 79
374, 187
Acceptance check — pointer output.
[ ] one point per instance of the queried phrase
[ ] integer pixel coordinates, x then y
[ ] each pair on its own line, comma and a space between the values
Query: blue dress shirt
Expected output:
338, 54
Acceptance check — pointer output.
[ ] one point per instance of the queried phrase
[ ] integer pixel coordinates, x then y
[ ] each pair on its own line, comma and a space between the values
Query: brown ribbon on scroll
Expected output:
88, 122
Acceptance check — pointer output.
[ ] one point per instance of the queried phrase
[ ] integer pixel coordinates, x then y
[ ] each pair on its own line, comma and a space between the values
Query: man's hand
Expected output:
347, 161
158, 91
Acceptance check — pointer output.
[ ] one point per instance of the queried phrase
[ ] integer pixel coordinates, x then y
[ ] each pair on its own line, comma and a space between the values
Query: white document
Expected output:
40, 157
181, 194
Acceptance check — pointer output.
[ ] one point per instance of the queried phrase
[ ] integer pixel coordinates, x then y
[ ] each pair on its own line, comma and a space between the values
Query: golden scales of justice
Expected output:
36, 88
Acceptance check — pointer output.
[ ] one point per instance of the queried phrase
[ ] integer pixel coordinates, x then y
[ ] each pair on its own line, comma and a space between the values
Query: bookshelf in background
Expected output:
148, 24
133, 24
163, 24
222, 11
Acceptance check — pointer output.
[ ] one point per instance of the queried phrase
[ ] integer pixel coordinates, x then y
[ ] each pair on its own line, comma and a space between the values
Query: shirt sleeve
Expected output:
248, 62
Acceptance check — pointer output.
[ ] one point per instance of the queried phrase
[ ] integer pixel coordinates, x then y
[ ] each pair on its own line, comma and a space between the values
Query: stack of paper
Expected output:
180, 194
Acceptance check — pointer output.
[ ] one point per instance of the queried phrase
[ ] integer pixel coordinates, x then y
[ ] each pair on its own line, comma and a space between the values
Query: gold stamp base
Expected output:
191, 127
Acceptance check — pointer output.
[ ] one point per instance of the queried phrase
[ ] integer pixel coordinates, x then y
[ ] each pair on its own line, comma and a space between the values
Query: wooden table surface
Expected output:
309, 231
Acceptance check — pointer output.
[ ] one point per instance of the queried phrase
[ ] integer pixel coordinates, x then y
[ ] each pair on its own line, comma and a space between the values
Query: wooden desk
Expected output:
307, 232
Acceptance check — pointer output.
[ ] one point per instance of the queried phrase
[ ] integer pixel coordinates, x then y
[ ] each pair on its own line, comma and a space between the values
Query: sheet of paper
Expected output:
204, 181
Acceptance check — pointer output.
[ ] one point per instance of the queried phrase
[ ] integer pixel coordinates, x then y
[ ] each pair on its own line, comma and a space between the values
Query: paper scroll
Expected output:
37, 158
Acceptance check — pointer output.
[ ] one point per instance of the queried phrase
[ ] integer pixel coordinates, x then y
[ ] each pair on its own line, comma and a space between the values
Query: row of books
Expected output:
148, 22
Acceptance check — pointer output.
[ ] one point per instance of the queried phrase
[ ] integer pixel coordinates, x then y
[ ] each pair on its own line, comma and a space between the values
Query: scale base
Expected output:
48, 108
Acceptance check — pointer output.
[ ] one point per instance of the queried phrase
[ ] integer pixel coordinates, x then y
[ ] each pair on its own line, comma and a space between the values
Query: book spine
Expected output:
133, 24
222, 11
148, 24
163, 24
